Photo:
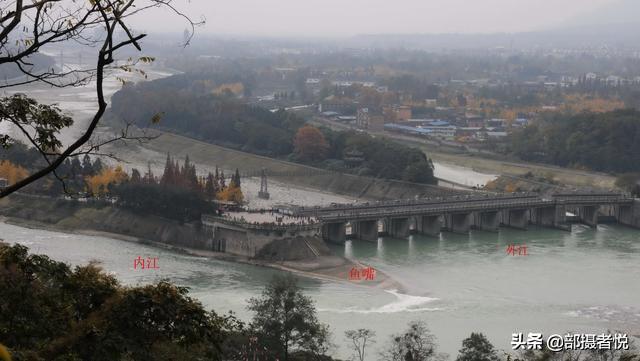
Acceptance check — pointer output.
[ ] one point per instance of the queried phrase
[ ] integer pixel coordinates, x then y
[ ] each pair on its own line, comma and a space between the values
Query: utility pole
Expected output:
264, 193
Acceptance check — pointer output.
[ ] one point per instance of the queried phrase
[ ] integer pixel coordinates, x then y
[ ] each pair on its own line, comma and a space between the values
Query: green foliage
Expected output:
608, 142
19, 153
415, 344
51, 312
388, 159
190, 110
477, 348
27, 114
630, 182
418, 172
285, 321
177, 203
73, 170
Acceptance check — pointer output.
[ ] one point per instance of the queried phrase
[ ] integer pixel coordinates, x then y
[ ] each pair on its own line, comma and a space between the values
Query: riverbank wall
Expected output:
73, 216
275, 242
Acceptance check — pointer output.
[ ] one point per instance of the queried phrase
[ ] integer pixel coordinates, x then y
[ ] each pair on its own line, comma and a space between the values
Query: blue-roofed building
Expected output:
439, 123
406, 129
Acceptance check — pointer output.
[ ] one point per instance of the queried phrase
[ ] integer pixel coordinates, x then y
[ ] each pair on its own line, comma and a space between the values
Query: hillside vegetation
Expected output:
607, 142
193, 105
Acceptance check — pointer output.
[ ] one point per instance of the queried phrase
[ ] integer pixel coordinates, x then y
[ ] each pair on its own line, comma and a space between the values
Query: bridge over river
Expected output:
459, 214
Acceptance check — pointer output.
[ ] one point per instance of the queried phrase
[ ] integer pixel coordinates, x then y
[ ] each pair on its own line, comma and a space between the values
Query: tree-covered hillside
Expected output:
608, 142
210, 108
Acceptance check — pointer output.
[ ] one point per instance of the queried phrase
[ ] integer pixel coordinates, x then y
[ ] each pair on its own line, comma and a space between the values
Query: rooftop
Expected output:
407, 128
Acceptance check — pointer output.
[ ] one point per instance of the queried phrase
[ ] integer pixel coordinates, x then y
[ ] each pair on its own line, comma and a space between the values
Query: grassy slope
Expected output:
210, 155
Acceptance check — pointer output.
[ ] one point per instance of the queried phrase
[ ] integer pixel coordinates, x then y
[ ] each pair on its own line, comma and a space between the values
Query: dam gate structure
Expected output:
460, 214
242, 237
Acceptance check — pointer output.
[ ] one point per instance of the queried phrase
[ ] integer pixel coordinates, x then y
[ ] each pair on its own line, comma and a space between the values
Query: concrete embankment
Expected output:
94, 219
77, 216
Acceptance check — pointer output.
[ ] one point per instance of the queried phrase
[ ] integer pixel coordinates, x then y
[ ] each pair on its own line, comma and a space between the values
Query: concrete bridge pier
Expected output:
516, 218
458, 222
428, 225
365, 230
589, 215
553, 217
334, 232
398, 227
561, 217
628, 215
487, 221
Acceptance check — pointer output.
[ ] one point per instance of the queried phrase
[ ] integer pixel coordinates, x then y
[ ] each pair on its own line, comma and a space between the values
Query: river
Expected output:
583, 280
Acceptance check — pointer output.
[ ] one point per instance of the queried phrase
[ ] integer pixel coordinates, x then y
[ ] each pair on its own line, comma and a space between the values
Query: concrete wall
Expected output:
334, 232
71, 215
629, 215
486, 221
365, 230
248, 241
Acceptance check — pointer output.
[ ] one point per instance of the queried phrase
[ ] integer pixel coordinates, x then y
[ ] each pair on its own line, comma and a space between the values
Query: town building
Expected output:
367, 118
396, 113
338, 105
432, 103
446, 132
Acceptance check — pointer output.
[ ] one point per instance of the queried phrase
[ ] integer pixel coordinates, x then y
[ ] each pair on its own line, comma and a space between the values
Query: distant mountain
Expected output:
618, 12
40, 63
613, 25
572, 35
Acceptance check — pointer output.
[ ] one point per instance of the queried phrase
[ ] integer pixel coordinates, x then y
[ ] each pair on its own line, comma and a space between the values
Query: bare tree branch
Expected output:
50, 22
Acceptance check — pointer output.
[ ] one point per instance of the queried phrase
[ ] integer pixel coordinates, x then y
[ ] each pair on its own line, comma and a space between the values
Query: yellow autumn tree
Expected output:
99, 183
235, 88
510, 188
509, 115
231, 194
578, 103
12, 172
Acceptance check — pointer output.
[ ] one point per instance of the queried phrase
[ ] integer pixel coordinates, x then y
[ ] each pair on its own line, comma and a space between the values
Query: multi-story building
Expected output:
368, 119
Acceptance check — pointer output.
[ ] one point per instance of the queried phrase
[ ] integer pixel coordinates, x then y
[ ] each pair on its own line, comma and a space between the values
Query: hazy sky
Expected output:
349, 17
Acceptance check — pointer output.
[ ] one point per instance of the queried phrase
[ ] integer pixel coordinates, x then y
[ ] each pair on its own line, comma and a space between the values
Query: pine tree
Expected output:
237, 179
210, 188
135, 176
149, 178
167, 175
76, 167
87, 167
175, 173
185, 172
192, 178
222, 183
97, 166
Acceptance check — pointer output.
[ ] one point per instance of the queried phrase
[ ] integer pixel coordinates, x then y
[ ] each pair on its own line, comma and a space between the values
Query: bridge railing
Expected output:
445, 205
440, 209
410, 203
210, 219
